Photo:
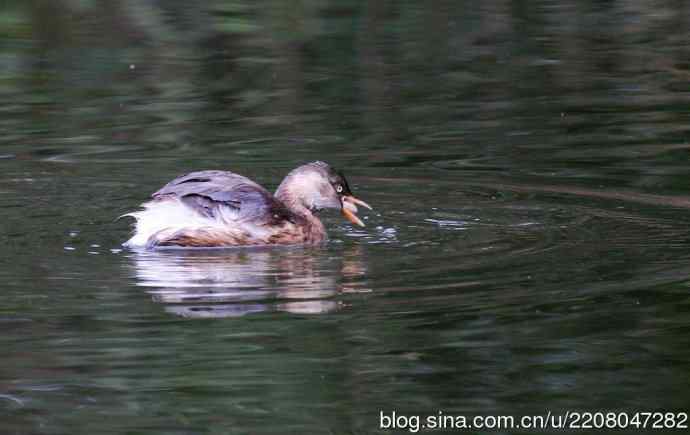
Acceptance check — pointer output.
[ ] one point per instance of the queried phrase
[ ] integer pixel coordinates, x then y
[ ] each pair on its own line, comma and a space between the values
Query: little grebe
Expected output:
220, 208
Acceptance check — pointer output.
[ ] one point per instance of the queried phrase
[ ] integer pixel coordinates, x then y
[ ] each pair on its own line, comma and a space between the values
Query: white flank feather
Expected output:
170, 215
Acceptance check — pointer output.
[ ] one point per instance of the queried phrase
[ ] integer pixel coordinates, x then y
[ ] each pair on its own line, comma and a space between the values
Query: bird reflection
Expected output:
225, 283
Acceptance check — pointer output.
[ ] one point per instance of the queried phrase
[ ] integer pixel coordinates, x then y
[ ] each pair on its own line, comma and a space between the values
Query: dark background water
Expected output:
529, 250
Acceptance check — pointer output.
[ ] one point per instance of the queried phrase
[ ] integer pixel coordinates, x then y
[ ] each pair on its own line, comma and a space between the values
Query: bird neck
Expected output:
315, 229
286, 195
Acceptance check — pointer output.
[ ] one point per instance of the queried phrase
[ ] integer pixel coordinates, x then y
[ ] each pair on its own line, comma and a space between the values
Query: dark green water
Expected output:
529, 251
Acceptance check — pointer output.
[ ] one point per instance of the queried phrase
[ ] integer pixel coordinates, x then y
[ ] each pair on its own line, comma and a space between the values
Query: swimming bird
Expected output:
223, 209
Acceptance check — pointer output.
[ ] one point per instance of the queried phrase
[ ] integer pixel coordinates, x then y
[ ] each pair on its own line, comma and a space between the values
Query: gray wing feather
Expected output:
204, 191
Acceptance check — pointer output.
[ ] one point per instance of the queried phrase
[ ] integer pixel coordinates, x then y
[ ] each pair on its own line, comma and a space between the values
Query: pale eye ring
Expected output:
339, 188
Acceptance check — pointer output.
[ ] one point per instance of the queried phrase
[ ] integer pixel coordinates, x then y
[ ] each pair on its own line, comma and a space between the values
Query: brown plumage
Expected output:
220, 208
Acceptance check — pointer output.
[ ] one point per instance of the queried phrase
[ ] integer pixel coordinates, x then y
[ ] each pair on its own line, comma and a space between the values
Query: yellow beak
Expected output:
349, 209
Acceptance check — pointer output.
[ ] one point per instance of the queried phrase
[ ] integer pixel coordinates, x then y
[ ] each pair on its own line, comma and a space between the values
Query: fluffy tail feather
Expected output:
169, 222
162, 217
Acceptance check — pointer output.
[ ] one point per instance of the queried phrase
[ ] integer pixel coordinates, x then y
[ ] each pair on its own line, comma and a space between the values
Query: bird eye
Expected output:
339, 188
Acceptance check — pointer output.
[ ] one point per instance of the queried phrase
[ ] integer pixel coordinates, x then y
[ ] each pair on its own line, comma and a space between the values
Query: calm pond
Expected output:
529, 249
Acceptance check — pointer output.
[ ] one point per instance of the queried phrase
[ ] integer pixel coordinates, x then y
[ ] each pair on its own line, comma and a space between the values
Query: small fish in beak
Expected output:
349, 209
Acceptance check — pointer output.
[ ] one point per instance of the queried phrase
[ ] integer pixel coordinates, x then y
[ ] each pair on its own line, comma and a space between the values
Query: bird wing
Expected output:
213, 192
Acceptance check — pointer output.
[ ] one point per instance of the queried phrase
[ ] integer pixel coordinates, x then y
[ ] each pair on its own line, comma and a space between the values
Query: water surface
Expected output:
528, 249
